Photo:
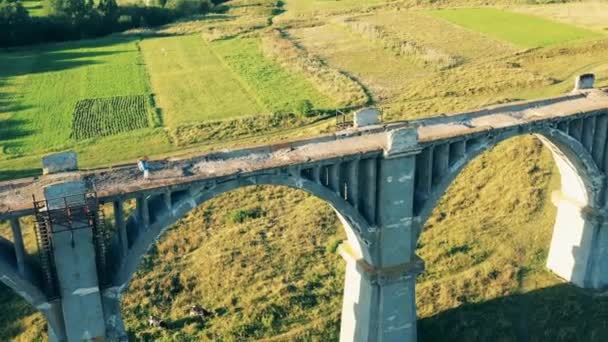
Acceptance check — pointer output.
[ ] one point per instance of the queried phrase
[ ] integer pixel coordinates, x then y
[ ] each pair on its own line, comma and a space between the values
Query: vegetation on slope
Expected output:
278, 277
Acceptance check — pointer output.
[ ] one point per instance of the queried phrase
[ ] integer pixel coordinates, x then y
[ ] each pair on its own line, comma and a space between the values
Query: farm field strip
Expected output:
593, 15
522, 30
191, 84
277, 88
471, 45
312, 8
380, 70
108, 116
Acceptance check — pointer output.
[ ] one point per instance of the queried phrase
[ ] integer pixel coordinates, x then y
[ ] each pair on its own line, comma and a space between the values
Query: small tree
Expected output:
304, 108
108, 8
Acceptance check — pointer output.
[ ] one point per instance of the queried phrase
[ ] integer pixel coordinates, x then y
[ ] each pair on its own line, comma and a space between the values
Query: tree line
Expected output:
78, 19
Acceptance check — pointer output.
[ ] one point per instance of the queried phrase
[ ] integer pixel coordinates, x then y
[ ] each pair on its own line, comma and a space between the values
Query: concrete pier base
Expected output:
379, 304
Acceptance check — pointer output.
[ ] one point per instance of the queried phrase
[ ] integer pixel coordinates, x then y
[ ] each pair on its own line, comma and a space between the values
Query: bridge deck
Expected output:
16, 196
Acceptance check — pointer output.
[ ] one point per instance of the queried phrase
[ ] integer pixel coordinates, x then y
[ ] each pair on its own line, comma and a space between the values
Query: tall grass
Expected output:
428, 56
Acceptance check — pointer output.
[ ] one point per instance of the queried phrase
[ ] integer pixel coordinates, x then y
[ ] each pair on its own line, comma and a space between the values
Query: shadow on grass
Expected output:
558, 313
15, 174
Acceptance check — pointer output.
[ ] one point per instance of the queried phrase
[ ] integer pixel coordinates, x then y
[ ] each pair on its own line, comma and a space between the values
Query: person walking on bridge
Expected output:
144, 166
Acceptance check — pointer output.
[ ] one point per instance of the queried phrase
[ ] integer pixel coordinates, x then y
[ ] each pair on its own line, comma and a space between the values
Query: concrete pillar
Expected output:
75, 264
167, 200
352, 184
379, 304
19, 248
143, 211
54, 316
579, 245
379, 292
334, 177
598, 278
397, 230
121, 227
572, 240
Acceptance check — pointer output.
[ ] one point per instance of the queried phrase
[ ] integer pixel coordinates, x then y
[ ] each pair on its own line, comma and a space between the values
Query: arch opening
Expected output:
489, 240
263, 258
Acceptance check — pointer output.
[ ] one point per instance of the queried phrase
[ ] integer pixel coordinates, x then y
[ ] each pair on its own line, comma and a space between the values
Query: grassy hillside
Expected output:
275, 275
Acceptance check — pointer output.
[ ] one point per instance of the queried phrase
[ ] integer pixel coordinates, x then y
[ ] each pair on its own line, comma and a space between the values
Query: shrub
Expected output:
304, 108
186, 7
242, 215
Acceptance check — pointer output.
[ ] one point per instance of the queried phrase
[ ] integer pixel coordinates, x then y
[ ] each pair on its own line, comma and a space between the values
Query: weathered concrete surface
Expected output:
75, 264
16, 195
402, 140
59, 162
584, 81
366, 117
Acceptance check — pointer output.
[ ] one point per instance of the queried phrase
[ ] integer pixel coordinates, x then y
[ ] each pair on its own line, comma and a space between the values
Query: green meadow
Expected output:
41, 86
519, 29
192, 83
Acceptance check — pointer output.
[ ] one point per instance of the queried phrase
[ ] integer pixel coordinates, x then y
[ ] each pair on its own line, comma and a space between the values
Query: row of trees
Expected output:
77, 19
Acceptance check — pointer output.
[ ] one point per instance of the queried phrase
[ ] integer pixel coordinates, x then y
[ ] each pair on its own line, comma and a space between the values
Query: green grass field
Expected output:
40, 88
277, 88
192, 84
34, 7
195, 81
522, 30
279, 278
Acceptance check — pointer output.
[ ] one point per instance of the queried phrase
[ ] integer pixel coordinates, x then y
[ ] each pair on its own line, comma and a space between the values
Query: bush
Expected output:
304, 108
242, 215
186, 7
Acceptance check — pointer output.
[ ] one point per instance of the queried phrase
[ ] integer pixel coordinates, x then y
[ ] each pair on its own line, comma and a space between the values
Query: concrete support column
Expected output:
75, 263
167, 200
379, 295
19, 248
115, 328
54, 316
579, 245
143, 211
379, 305
121, 227
598, 278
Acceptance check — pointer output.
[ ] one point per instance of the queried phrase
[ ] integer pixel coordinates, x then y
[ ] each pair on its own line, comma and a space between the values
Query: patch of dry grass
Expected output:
427, 56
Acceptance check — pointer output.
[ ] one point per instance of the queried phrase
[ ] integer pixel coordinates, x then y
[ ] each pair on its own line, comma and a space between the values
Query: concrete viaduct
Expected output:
383, 180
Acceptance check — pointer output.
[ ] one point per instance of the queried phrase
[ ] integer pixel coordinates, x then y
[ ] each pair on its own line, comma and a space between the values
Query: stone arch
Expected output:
9, 276
578, 202
563, 147
357, 228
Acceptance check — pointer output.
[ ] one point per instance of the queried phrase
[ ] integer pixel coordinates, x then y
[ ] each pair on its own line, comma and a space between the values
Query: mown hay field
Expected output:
192, 84
196, 81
